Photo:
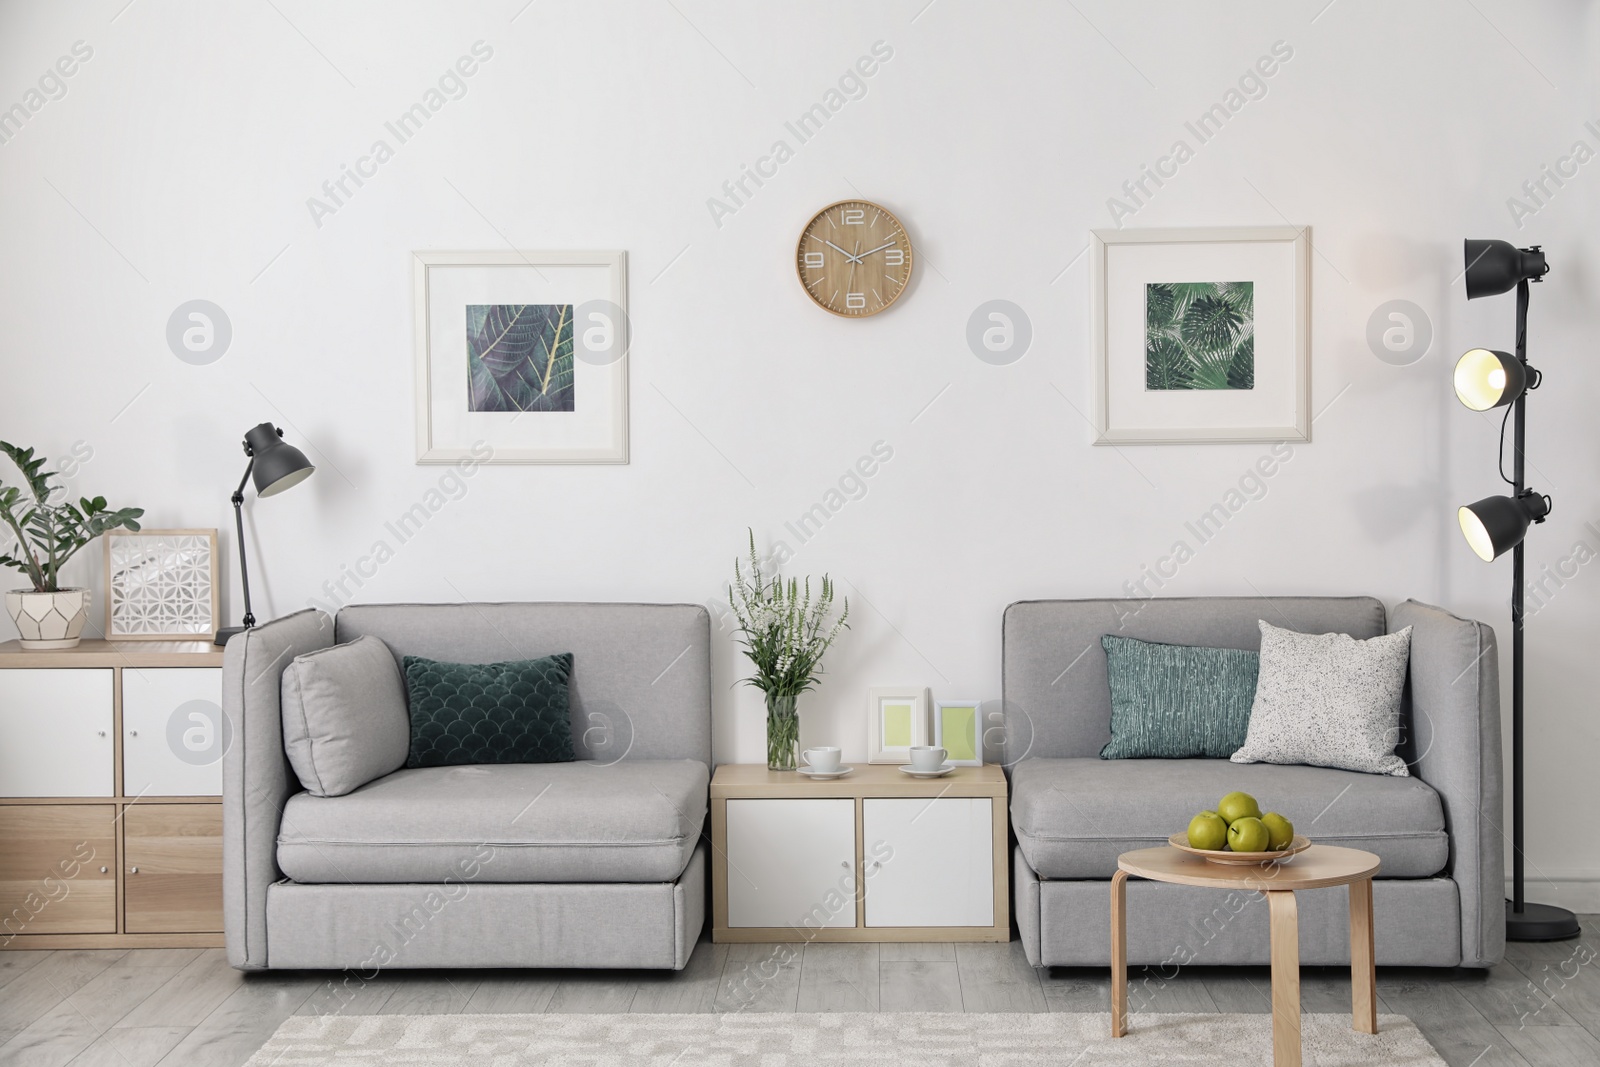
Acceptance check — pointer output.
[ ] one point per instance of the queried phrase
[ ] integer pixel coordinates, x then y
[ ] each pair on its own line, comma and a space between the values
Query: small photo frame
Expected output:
161, 585
897, 718
958, 729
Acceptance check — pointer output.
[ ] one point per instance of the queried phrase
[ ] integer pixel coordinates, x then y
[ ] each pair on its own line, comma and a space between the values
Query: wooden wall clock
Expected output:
854, 258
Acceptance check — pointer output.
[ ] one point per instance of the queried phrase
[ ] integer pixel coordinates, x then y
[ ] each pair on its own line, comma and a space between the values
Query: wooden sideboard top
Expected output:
95, 653
753, 780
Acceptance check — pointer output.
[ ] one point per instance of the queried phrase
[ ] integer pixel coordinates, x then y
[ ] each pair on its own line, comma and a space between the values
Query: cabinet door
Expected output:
58, 869
173, 855
929, 862
173, 732
55, 732
792, 863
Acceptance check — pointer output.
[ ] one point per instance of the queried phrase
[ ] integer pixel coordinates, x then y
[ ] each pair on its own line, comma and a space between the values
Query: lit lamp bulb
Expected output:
1487, 379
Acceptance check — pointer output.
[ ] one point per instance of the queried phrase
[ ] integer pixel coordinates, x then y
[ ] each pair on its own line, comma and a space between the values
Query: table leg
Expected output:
1119, 954
1363, 975
1285, 978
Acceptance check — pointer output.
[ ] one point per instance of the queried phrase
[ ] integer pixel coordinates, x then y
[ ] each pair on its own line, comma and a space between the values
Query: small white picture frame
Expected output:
1275, 403
897, 719
958, 729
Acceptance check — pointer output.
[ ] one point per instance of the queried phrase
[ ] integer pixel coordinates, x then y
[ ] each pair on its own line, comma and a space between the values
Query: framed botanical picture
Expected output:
161, 585
1201, 335
522, 357
958, 729
897, 718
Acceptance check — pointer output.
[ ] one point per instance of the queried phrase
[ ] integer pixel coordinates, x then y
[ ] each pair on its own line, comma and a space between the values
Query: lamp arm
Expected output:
249, 619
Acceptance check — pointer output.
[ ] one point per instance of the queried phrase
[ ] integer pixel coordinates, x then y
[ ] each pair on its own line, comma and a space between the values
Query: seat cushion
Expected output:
632, 821
1074, 817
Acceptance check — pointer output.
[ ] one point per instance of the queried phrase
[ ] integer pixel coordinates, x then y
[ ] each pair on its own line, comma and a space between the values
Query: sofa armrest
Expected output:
1453, 711
257, 779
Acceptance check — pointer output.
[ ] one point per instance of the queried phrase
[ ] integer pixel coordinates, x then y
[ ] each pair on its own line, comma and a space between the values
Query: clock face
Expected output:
854, 258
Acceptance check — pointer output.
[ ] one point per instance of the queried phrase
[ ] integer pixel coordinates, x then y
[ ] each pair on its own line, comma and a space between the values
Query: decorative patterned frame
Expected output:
172, 588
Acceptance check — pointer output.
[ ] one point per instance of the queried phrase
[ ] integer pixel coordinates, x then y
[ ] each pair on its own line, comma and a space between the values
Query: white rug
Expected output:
854, 1040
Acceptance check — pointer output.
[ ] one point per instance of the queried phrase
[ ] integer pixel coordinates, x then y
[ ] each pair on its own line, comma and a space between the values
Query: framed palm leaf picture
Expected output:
521, 357
1201, 335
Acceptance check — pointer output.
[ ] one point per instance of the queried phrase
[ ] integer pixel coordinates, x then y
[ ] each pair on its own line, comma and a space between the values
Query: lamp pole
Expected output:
1517, 901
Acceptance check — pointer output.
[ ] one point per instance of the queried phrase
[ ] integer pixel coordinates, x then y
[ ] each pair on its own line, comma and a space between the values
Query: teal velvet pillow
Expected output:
516, 712
1177, 701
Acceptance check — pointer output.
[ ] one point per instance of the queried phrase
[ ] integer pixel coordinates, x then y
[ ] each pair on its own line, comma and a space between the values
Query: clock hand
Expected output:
880, 248
842, 252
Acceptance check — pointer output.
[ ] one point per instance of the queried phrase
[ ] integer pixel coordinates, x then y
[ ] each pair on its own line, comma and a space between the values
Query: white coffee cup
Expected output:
927, 757
822, 760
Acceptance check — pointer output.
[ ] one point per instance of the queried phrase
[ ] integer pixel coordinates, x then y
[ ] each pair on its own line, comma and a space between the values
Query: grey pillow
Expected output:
1328, 700
344, 716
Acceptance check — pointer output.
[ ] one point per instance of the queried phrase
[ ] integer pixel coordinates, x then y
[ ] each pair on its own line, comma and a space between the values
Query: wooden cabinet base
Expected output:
67, 941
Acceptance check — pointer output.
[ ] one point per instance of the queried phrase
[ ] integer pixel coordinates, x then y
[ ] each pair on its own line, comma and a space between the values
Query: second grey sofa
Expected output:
1438, 898
594, 863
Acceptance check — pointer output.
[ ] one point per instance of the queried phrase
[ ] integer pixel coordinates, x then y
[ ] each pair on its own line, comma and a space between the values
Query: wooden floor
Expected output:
188, 1008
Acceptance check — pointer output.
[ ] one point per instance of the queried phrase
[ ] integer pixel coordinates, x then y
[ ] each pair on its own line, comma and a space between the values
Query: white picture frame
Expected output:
1276, 407
958, 735
161, 585
451, 426
895, 714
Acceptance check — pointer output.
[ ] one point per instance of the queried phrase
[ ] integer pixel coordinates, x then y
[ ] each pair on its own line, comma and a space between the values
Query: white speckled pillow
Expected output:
1328, 700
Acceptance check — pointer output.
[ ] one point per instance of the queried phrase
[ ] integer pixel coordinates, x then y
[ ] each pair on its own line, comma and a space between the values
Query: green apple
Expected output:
1208, 831
1238, 806
1280, 831
1247, 835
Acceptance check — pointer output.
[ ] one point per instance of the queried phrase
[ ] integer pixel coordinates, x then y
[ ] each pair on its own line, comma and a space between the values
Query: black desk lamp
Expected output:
1484, 380
276, 467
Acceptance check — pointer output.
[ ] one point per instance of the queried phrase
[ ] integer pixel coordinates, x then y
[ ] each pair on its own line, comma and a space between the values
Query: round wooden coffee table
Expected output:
1315, 868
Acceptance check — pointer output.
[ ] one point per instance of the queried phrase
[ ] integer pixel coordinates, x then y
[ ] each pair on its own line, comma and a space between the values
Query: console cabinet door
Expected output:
792, 863
173, 732
56, 732
930, 862
58, 869
173, 856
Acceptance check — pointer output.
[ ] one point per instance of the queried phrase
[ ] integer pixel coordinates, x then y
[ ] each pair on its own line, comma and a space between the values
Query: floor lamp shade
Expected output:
1487, 379
1496, 524
1495, 267
277, 465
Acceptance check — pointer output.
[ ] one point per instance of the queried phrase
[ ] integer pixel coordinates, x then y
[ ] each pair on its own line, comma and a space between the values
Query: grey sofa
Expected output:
1438, 898
596, 863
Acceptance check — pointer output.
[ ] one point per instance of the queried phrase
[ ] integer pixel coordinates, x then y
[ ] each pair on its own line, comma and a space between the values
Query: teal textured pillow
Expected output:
1177, 701
515, 712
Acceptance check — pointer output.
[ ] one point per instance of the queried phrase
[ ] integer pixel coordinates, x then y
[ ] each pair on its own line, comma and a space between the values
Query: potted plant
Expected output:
48, 535
784, 632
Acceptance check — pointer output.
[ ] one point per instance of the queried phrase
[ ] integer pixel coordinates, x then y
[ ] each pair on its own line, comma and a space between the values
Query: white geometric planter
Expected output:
48, 620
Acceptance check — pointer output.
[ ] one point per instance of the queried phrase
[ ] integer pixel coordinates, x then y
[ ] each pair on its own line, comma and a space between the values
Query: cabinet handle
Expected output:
134, 871
102, 870
102, 733
133, 733
845, 864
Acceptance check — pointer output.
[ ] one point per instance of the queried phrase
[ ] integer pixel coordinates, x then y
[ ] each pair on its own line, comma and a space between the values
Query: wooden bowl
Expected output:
1240, 859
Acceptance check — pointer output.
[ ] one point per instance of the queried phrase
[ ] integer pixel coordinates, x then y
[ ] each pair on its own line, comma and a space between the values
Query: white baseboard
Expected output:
1581, 895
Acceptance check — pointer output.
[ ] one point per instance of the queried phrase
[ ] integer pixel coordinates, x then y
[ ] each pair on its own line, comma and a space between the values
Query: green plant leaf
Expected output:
520, 357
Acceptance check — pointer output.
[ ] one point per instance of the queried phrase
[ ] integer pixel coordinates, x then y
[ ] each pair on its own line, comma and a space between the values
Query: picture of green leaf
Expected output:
520, 357
1199, 335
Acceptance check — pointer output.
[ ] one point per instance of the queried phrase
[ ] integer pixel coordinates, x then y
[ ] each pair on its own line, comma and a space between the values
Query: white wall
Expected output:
179, 162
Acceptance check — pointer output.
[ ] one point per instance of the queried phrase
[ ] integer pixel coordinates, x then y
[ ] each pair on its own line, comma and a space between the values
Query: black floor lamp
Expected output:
276, 466
1486, 379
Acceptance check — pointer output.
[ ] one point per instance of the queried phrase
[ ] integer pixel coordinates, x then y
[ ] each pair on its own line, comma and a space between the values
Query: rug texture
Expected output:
845, 1040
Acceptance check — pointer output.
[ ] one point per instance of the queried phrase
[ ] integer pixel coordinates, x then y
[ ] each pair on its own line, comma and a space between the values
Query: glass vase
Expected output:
783, 732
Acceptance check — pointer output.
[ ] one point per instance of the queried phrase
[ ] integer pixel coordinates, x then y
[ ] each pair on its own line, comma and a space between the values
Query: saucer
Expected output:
940, 773
824, 776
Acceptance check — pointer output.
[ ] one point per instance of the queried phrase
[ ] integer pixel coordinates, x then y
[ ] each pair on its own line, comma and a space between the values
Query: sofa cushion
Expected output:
470, 713
1177, 701
1328, 700
1074, 817
634, 821
344, 716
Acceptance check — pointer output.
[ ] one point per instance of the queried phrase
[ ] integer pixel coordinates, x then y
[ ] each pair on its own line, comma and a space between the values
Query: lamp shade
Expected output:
277, 466
1495, 267
1497, 524
1487, 379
